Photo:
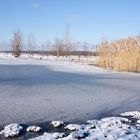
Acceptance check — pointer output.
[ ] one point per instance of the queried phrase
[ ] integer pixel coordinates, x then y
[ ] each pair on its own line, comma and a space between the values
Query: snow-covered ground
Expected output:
62, 59
42, 90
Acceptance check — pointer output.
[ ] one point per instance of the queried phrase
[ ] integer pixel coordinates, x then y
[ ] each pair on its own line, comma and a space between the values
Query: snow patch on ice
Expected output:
133, 114
11, 130
57, 123
50, 136
77, 135
72, 127
57, 135
138, 121
34, 129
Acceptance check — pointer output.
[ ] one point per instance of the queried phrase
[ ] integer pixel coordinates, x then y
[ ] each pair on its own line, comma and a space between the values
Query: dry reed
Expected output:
120, 55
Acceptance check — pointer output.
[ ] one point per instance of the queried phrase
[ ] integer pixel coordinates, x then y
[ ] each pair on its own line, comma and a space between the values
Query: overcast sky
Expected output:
88, 19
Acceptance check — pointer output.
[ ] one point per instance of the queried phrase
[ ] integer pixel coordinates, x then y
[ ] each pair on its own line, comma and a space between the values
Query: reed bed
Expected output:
120, 55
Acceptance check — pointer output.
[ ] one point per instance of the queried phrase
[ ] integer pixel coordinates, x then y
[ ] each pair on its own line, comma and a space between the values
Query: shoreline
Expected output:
47, 126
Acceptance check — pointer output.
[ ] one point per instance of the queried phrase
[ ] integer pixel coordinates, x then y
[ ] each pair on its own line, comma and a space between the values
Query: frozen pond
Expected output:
35, 93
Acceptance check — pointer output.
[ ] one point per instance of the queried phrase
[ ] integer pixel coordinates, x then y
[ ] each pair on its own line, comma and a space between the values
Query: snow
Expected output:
72, 127
133, 114
60, 64
11, 130
92, 122
57, 123
110, 128
34, 129
72, 64
50, 136
57, 135
81, 134
61, 59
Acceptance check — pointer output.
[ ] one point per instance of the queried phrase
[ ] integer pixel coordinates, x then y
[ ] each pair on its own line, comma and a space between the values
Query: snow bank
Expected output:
11, 130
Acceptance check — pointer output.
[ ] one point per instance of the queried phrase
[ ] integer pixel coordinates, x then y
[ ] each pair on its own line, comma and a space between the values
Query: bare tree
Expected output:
48, 47
17, 43
59, 47
85, 48
63, 46
31, 45
67, 41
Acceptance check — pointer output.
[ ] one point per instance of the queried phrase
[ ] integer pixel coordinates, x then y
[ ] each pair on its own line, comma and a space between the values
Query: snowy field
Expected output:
34, 91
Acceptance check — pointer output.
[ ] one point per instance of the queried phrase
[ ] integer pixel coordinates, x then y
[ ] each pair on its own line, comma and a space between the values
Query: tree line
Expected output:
60, 47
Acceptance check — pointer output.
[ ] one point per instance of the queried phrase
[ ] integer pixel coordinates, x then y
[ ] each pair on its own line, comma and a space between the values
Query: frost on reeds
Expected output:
120, 55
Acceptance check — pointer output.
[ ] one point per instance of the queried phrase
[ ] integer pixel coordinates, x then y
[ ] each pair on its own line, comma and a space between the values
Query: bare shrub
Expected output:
64, 46
17, 43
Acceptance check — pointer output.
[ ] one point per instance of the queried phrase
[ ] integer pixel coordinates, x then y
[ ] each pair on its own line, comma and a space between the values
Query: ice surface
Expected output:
58, 89
40, 91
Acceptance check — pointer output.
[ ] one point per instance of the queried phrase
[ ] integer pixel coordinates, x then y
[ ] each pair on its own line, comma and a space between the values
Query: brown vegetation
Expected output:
120, 55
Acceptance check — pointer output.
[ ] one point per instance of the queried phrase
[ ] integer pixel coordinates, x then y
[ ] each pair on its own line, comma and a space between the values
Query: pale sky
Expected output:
88, 19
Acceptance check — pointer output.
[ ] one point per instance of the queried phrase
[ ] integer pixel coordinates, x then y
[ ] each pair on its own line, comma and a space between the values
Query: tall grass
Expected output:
120, 55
